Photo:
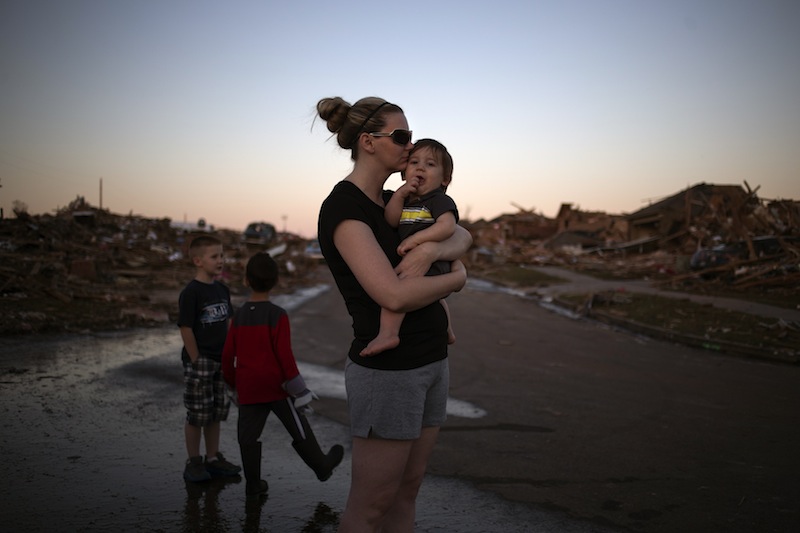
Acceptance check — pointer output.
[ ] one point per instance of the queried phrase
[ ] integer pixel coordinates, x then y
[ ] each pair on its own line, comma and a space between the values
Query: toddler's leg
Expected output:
388, 336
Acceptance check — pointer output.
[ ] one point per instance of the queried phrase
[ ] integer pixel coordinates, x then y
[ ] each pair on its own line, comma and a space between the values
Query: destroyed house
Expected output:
530, 226
712, 207
587, 229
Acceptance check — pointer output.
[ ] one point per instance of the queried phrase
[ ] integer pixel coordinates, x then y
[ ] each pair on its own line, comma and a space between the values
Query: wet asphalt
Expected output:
93, 439
580, 428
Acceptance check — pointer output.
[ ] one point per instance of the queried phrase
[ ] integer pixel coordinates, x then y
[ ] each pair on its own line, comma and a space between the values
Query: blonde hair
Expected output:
348, 121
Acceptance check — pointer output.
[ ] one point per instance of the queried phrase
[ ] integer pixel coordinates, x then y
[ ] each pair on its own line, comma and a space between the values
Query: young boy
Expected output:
204, 310
421, 212
258, 363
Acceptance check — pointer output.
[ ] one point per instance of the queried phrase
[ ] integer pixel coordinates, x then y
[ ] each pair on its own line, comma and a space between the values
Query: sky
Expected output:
206, 109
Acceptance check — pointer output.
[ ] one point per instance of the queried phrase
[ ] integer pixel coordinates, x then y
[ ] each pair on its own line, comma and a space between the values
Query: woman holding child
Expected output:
397, 398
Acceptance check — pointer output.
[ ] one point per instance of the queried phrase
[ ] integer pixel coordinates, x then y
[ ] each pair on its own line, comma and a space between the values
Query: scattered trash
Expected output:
85, 269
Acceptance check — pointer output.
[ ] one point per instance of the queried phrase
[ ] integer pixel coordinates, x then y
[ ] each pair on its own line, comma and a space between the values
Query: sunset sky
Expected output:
190, 109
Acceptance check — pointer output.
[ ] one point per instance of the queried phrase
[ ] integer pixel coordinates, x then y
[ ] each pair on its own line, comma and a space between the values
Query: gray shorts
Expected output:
396, 404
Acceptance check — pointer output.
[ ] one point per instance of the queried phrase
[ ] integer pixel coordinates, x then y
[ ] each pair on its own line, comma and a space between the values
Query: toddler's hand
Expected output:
409, 187
406, 246
417, 262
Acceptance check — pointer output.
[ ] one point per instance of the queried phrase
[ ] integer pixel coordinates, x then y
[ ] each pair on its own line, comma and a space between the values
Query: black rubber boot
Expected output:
251, 464
310, 452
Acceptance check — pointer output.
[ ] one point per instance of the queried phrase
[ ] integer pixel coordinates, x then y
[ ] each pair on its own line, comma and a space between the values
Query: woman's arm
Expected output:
419, 260
356, 243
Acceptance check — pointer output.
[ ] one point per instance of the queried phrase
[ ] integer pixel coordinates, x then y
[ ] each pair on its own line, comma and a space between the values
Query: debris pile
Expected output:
84, 269
707, 237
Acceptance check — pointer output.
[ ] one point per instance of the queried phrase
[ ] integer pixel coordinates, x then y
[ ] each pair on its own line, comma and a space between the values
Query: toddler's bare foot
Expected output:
379, 344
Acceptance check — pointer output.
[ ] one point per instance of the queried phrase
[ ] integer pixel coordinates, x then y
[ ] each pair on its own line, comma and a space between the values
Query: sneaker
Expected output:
195, 470
221, 467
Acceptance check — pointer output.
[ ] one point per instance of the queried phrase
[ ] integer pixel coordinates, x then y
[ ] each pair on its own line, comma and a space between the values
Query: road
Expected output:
600, 424
585, 429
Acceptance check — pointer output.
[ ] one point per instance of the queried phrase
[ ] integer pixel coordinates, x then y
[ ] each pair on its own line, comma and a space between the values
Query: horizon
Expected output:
193, 109
190, 224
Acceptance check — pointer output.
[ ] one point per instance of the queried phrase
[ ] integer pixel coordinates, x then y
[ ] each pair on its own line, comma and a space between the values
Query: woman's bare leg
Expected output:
378, 466
402, 515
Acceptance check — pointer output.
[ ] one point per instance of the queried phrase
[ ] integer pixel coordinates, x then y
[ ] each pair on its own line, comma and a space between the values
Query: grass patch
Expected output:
671, 316
519, 276
684, 317
778, 297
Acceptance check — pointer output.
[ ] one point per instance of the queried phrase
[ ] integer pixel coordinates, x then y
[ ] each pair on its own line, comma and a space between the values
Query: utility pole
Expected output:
101, 194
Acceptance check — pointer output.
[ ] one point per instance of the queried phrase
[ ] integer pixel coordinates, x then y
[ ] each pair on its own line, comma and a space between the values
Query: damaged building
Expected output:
85, 267
705, 232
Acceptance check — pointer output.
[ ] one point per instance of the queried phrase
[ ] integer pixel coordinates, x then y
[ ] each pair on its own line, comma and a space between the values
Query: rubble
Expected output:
86, 269
705, 238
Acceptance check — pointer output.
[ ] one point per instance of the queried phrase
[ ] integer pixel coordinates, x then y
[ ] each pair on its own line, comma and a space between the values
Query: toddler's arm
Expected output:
439, 231
394, 207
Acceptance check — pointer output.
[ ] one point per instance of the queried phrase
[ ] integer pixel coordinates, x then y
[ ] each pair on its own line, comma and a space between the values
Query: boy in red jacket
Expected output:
258, 363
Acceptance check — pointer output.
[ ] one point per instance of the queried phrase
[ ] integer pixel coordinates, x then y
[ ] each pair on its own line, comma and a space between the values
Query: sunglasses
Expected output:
401, 137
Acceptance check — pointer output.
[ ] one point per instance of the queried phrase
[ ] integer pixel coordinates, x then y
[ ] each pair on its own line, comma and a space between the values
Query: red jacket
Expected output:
257, 358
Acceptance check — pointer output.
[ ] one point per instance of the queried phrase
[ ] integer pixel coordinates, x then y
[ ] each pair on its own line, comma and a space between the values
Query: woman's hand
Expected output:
458, 267
418, 261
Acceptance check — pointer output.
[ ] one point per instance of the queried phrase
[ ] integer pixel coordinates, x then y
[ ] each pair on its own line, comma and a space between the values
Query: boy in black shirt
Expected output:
204, 313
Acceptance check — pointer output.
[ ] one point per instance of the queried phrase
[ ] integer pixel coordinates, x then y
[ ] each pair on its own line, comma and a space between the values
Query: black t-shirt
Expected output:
423, 335
421, 214
206, 308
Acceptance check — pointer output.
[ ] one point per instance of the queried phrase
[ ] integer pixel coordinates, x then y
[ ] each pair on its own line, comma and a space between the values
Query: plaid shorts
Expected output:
204, 392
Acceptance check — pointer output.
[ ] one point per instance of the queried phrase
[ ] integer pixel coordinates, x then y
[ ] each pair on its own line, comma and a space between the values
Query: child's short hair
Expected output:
440, 152
198, 244
261, 272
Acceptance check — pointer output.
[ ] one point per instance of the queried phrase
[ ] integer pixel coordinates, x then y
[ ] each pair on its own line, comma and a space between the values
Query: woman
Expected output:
397, 398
